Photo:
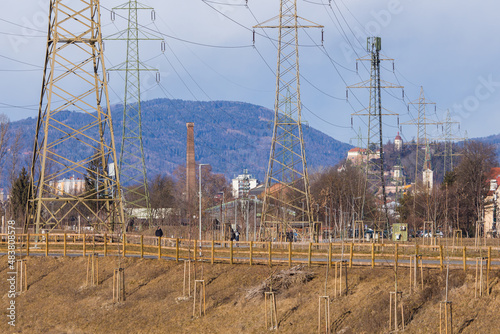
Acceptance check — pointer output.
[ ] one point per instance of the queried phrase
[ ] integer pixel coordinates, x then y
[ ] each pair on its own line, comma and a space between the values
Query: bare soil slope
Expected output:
57, 300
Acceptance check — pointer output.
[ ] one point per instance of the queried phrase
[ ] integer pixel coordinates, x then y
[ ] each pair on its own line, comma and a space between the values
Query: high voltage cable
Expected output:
226, 4
245, 27
324, 120
211, 68
19, 25
20, 35
199, 87
21, 62
184, 40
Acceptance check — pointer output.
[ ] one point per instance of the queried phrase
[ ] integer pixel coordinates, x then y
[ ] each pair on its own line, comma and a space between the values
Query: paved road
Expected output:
284, 260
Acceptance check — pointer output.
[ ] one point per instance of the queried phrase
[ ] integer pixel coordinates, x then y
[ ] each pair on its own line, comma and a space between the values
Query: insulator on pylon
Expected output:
398, 121
356, 67
157, 77
153, 15
401, 128
113, 14
403, 94
163, 46
393, 68
254, 37
107, 76
408, 107
103, 46
322, 36
352, 123
347, 94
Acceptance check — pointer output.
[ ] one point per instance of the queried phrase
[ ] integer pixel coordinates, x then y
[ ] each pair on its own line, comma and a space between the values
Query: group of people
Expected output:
235, 235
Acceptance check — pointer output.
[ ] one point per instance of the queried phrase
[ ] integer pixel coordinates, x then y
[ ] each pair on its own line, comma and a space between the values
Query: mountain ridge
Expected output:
229, 135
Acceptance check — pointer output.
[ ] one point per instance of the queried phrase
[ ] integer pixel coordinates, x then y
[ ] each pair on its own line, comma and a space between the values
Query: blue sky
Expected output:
448, 47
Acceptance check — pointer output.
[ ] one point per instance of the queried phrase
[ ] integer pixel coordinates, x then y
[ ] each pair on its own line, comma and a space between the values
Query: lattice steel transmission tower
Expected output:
287, 201
421, 139
374, 153
449, 138
74, 80
132, 165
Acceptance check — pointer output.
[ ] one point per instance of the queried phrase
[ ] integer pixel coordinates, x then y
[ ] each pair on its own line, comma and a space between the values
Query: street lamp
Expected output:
254, 199
199, 194
327, 222
221, 215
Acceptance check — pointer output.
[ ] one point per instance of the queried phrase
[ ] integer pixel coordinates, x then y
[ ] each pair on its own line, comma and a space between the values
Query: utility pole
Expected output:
287, 180
74, 44
132, 165
199, 206
374, 168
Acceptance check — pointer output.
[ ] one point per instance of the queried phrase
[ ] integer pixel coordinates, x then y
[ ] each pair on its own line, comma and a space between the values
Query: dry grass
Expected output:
58, 301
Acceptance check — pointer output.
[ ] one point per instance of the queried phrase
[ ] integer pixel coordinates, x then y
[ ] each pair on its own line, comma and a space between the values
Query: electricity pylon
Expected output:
74, 80
422, 139
374, 170
287, 201
450, 137
132, 165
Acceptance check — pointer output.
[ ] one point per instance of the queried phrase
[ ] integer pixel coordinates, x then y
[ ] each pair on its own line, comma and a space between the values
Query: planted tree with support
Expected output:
270, 309
119, 285
21, 276
199, 301
92, 270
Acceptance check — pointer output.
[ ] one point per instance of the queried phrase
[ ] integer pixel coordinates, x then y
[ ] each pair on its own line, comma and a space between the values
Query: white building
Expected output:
71, 186
243, 183
428, 179
428, 173
358, 155
492, 203
397, 172
398, 143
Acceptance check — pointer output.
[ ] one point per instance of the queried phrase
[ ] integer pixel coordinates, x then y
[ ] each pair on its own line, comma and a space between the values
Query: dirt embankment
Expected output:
57, 300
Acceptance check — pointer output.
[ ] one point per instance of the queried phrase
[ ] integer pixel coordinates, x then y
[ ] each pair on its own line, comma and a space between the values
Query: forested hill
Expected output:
492, 140
230, 136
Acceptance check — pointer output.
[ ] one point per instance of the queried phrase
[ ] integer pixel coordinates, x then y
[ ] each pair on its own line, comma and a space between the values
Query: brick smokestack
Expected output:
190, 170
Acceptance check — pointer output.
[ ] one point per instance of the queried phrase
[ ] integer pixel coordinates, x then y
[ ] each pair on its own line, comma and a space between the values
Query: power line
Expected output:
185, 40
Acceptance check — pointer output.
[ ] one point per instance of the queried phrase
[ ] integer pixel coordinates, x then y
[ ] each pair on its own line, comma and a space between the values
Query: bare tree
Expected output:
161, 197
4, 138
15, 149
